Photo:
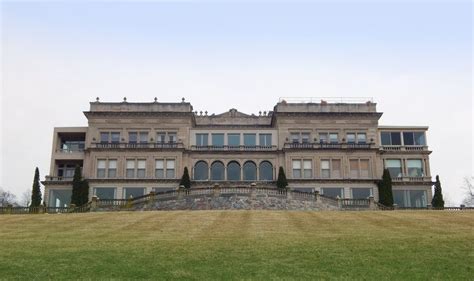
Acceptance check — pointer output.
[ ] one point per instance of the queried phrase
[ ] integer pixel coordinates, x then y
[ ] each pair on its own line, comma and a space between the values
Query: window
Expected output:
250, 140
250, 171
361, 193
233, 139
59, 197
336, 168
361, 138
266, 171
172, 137
104, 137
295, 137
101, 165
233, 171
325, 171
105, 192
394, 166
391, 138
133, 192
296, 164
333, 192
354, 168
112, 171
364, 168
170, 169
115, 137
410, 198
333, 138
201, 171
308, 169
351, 138
160, 137
159, 169
218, 140
265, 139
67, 170
130, 170
305, 137
141, 170
143, 137
413, 138
202, 139
415, 168
217, 171
132, 137
323, 137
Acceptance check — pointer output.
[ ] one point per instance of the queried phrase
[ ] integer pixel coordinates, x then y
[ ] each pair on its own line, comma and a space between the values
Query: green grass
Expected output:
236, 245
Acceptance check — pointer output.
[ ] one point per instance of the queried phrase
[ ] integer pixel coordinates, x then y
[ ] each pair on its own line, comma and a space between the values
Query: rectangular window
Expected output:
385, 138
351, 138
361, 138
361, 193
105, 192
325, 170
143, 137
410, 198
202, 139
218, 140
419, 138
336, 168
295, 137
265, 139
115, 137
160, 137
296, 164
112, 171
133, 192
394, 166
141, 170
172, 137
159, 169
308, 169
364, 168
333, 192
396, 138
132, 137
415, 168
408, 138
101, 164
104, 137
323, 138
130, 172
333, 138
250, 140
354, 168
233, 139
305, 137
170, 169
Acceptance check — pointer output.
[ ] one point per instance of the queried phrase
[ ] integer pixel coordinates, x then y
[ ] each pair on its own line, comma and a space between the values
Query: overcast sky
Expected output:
415, 60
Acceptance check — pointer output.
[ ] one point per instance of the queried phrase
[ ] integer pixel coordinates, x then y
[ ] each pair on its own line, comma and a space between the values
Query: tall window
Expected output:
307, 169
333, 138
265, 139
413, 138
305, 137
364, 168
101, 166
160, 137
296, 164
265, 171
325, 170
250, 171
115, 137
170, 169
132, 137
295, 137
394, 166
351, 138
218, 140
323, 137
172, 137
201, 171
250, 140
233, 171
143, 137
130, 171
160, 169
112, 171
354, 168
361, 138
202, 139
217, 171
333, 192
391, 138
336, 168
104, 137
233, 139
415, 168
141, 169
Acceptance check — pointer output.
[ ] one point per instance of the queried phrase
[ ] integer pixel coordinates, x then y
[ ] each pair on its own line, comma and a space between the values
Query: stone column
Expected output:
317, 197
71, 208
216, 190
94, 203
372, 204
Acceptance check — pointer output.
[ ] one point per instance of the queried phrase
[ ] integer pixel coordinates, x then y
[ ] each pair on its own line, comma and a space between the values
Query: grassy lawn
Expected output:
236, 245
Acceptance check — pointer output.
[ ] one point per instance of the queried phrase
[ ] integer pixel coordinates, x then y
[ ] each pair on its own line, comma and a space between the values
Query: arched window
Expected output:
266, 171
250, 171
217, 171
233, 171
201, 171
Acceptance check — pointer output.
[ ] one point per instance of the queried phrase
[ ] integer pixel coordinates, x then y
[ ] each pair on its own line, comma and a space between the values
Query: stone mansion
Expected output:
339, 149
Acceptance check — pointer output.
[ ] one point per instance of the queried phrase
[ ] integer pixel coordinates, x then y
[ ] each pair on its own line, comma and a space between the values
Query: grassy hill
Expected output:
235, 245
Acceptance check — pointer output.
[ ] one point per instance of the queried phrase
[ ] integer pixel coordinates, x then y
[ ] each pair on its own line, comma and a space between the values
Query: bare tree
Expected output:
468, 187
6, 197
26, 198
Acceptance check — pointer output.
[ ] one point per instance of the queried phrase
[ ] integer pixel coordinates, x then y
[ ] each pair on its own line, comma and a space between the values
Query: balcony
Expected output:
234, 147
159, 145
412, 179
58, 179
404, 148
297, 145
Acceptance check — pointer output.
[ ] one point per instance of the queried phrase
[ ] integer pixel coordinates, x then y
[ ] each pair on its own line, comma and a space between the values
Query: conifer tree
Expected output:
282, 182
385, 189
36, 192
185, 180
84, 196
77, 186
437, 201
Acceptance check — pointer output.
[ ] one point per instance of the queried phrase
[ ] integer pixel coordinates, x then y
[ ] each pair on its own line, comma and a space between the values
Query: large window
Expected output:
233, 171
354, 168
112, 171
217, 171
394, 166
361, 193
266, 171
133, 192
135, 137
391, 138
296, 165
59, 197
307, 169
359, 168
163, 137
410, 198
68, 170
101, 167
250, 140
415, 168
250, 171
325, 170
233, 139
105, 192
141, 169
364, 168
414, 138
218, 140
202, 139
130, 169
113, 137
170, 169
265, 139
201, 171
336, 168
302, 168
160, 168
333, 192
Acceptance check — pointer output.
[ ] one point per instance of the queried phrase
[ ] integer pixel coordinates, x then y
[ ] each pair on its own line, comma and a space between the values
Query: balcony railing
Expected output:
233, 147
56, 178
128, 145
70, 150
297, 145
411, 179
404, 148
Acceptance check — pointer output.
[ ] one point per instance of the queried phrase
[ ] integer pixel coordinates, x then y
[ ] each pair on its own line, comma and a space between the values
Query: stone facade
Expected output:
339, 149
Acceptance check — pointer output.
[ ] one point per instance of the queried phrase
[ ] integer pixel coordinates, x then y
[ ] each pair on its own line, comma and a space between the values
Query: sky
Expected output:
413, 58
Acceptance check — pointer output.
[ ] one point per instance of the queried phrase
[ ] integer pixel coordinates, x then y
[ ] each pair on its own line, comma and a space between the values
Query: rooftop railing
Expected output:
327, 145
233, 147
128, 145
405, 148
